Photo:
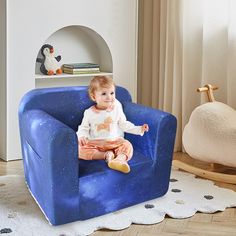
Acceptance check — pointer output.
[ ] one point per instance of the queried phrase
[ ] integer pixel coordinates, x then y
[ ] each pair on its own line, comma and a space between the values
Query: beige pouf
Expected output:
210, 134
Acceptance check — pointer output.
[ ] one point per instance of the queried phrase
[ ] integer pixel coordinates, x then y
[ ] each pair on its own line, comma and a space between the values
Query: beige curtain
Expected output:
183, 45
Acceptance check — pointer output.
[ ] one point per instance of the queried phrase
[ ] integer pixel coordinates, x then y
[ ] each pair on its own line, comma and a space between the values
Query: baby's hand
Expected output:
83, 141
145, 128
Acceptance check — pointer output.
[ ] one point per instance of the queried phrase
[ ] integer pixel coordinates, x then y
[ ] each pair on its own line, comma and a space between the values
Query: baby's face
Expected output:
104, 97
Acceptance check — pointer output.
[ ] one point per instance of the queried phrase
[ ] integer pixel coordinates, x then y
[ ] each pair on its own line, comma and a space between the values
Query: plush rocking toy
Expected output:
210, 137
49, 63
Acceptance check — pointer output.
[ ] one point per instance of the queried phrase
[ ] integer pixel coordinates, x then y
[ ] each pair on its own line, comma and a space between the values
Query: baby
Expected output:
101, 133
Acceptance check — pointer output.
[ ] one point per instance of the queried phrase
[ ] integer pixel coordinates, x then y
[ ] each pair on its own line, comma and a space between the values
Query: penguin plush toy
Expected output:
49, 63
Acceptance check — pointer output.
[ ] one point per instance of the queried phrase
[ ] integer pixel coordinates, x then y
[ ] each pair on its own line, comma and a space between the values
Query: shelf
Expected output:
40, 76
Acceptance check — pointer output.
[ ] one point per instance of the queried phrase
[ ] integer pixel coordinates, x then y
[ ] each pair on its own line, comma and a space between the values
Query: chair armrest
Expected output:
158, 143
52, 173
50, 138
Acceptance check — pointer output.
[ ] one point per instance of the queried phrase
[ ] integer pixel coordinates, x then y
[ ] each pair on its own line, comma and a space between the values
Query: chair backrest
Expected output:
66, 104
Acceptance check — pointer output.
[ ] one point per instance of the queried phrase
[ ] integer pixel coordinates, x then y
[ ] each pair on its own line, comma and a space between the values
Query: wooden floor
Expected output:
218, 224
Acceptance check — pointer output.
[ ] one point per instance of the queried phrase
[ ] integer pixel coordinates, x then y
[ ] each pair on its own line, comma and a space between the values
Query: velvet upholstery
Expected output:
68, 189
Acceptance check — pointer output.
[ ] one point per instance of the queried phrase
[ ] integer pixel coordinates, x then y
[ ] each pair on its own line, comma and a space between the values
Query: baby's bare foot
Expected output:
109, 156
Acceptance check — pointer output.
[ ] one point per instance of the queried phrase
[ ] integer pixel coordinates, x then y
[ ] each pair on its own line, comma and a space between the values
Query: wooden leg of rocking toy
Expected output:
221, 177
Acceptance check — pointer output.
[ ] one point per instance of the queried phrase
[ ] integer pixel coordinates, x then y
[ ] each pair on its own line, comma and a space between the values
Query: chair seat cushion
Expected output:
99, 166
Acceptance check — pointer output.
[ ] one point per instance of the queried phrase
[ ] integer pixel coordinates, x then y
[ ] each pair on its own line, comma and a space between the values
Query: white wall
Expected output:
2, 79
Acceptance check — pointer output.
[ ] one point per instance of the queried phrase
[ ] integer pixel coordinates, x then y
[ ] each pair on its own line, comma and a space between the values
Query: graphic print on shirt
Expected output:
105, 125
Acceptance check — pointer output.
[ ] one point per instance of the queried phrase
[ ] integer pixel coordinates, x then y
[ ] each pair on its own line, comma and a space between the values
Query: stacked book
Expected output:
81, 68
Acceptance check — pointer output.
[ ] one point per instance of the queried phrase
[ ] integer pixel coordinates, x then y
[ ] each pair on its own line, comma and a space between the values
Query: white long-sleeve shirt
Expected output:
106, 124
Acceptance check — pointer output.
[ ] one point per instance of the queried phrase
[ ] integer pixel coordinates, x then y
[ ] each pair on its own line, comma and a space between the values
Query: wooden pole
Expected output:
208, 88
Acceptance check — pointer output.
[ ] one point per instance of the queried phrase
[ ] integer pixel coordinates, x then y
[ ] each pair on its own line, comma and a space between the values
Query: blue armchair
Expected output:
69, 189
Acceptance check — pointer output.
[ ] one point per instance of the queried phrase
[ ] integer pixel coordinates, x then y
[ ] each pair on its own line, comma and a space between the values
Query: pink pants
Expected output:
119, 146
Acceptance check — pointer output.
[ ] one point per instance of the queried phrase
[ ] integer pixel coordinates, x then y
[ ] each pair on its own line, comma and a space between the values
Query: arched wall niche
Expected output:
75, 44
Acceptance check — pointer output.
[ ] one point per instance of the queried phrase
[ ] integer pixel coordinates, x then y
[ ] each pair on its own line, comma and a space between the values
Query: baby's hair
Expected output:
99, 82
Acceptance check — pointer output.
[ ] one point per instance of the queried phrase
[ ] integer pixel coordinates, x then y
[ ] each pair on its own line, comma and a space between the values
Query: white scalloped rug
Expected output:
20, 215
